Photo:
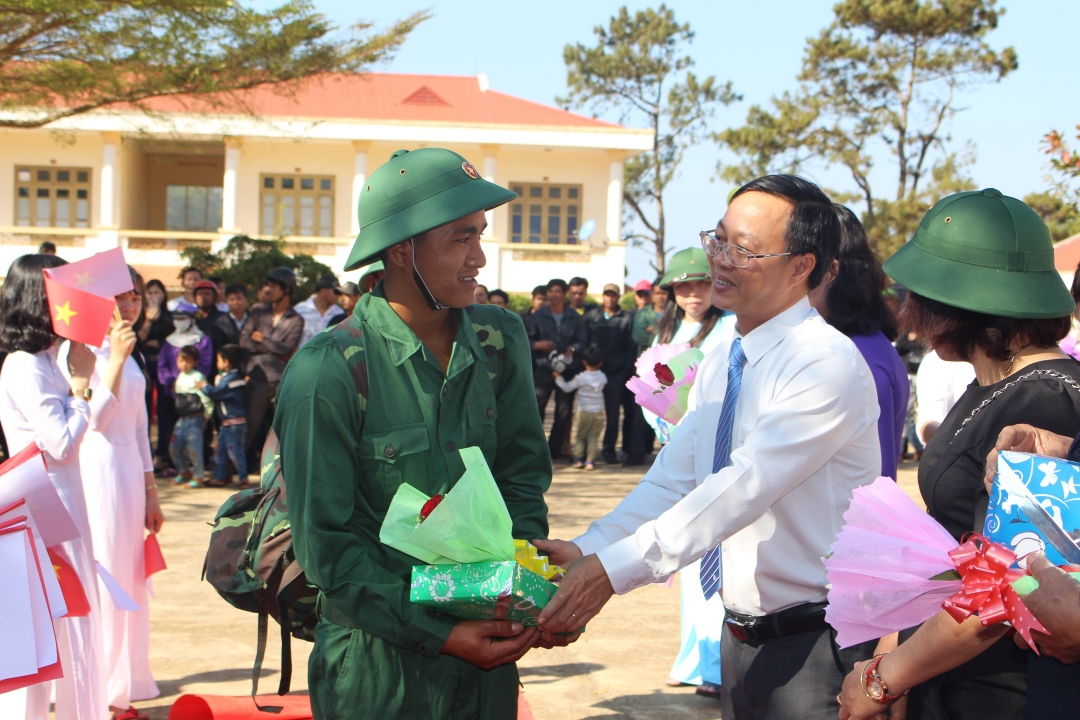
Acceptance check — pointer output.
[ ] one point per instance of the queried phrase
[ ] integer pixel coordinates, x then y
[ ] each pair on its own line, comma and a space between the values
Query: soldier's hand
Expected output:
1056, 604
489, 643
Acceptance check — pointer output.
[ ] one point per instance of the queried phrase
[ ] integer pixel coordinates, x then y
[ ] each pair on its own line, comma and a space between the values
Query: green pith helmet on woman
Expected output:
985, 252
686, 266
414, 192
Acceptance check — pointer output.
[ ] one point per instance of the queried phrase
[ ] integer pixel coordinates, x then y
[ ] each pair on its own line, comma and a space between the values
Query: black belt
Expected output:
793, 621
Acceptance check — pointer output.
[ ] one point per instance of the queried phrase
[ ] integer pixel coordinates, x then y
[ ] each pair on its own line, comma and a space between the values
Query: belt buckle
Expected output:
743, 632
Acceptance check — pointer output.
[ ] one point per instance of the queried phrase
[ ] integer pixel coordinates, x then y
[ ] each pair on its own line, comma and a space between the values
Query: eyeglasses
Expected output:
735, 255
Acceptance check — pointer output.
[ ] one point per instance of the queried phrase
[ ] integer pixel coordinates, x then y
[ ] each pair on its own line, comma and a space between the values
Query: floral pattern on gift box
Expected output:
471, 590
442, 587
1053, 483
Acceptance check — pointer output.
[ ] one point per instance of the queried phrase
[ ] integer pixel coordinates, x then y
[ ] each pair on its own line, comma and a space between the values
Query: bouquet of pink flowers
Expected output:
665, 374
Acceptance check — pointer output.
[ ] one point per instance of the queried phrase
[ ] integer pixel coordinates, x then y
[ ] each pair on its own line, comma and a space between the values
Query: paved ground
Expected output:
200, 644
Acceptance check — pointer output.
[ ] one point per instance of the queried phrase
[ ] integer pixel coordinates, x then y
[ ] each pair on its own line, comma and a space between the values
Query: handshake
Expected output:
582, 593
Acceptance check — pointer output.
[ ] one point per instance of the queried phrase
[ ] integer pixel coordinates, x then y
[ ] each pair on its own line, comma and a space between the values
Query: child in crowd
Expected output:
193, 409
229, 395
590, 415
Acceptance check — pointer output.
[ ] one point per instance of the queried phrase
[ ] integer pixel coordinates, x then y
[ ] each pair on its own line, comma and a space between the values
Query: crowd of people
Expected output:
803, 396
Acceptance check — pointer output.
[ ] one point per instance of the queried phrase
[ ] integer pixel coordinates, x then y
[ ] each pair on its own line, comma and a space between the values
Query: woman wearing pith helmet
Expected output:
444, 374
983, 289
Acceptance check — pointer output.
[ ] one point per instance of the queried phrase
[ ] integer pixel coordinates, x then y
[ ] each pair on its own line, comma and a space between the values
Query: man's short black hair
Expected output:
578, 282
540, 290
190, 352
231, 354
812, 228
47, 248
216, 279
557, 282
234, 289
499, 293
189, 268
593, 356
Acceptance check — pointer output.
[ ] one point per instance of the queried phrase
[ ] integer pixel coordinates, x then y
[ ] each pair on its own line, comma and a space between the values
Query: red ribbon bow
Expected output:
986, 571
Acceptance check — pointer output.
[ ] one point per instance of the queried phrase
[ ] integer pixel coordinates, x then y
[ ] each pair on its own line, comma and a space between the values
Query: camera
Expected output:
559, 361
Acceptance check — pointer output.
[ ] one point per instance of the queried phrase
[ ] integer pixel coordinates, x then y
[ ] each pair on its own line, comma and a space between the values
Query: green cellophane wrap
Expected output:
471, 590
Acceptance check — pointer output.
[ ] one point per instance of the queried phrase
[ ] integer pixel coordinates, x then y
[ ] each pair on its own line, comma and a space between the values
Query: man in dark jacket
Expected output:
558, 328
611, 329
227, 326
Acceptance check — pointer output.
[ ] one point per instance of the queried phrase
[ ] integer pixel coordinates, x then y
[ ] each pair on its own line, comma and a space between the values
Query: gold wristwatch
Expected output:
874, 686
86, 393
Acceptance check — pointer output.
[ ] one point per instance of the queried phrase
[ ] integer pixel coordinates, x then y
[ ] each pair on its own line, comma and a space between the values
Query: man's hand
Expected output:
1025, 439
546, 641
1056, 604
490, 643
581, 595
544, 345
256, 336
560, 552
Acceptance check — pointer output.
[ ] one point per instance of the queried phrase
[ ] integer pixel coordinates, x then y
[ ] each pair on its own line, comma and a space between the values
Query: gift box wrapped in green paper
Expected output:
472, 560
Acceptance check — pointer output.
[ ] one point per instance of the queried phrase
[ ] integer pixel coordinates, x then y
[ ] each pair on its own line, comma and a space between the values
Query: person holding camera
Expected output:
558, 336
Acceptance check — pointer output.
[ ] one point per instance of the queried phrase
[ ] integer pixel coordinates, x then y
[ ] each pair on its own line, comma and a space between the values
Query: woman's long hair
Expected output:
855, 297
25, 320
672, 318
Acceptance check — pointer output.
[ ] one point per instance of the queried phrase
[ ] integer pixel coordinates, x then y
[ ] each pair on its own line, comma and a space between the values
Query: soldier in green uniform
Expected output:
389, 396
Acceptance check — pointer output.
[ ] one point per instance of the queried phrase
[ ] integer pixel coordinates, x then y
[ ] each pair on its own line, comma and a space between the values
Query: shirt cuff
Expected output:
624, 566
590, 542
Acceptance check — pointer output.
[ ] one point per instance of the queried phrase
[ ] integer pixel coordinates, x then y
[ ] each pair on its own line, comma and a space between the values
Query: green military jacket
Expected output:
348, 440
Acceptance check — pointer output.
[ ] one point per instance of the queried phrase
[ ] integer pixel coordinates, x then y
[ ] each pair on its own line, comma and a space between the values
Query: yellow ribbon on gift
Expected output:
527, 557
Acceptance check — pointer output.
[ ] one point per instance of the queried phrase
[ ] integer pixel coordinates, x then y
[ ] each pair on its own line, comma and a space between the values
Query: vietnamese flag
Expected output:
104, 274
79, 315
70, 585
153, 560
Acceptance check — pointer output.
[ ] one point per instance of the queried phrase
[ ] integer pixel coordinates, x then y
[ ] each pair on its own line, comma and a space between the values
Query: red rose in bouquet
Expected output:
664, 375
431, 504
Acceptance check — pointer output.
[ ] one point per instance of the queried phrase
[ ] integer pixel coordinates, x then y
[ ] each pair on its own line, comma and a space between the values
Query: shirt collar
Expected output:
403, 342
768, 335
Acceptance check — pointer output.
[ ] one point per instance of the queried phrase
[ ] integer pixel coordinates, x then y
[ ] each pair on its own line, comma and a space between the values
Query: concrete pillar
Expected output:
491, 159
615, 200
228, 183
360, 174
108, 206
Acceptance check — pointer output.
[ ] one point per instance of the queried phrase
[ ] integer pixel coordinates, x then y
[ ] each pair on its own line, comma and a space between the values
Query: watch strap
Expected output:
871, 677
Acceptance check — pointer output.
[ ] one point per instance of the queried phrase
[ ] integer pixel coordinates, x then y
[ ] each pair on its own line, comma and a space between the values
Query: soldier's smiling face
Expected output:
450, 257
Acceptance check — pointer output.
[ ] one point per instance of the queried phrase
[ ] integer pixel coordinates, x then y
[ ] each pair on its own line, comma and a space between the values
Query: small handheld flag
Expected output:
82, 295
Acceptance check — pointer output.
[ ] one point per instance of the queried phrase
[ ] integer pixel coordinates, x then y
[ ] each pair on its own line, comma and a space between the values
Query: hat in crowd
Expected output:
375, 267
415, 192
284, 277
985, 252
348, 288
612, 287
686, 266
185, 308
326, 282
205, 285
642, 286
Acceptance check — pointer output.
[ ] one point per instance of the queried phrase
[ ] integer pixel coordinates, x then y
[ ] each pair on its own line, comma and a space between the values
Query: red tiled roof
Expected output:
1067, 254
389, 97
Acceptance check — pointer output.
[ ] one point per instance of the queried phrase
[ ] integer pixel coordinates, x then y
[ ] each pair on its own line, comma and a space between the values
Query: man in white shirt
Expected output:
319, 309
766, 476
938, 385
189, 278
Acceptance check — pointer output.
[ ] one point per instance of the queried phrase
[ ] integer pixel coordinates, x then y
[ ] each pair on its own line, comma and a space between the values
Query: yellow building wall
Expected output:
43, 148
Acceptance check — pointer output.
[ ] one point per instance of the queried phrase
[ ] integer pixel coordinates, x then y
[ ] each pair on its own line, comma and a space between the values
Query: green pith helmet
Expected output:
375, 267
415, 192
985, 252
686, 266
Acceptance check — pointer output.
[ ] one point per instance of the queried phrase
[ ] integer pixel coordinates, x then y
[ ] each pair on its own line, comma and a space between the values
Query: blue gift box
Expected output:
1055, 483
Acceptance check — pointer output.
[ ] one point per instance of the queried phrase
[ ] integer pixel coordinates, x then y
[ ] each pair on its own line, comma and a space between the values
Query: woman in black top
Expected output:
151, 330
983, 290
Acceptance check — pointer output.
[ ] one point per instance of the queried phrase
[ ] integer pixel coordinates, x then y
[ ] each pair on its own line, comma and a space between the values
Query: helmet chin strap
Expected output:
431, 301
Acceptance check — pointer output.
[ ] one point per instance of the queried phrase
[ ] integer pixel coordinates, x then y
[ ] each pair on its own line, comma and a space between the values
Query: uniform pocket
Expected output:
481, 416
388, 456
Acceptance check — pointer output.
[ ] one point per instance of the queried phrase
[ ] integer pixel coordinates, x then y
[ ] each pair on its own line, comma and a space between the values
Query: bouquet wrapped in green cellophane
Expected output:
465, 537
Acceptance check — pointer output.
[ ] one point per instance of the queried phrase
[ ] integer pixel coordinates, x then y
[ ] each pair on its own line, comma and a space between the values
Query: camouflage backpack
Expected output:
251, 562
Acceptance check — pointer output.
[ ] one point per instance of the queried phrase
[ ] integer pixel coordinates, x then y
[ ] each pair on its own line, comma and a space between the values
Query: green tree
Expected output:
879, 85
639, 69
60, 58
1060, 215
246, 260
1065, 166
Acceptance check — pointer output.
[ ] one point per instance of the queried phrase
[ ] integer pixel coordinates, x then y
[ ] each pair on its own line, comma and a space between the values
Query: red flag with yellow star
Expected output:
78, 315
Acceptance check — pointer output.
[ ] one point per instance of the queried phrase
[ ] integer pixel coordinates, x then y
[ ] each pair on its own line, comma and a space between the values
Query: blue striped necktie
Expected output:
710, 563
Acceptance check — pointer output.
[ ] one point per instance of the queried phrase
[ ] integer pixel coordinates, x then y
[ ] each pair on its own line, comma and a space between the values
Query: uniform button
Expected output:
390, 451
445, 390
450, 447
491, 412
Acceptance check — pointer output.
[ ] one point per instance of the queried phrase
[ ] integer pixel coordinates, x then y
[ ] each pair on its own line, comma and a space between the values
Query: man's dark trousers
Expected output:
564, 409
789, 678
614, 399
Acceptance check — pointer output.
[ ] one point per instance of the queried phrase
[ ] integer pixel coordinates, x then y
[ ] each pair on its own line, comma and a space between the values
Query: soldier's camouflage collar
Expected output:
403, 342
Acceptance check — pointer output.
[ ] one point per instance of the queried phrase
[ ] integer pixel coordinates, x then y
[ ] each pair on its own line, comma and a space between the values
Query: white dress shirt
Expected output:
938, 385
804, 436
314, 321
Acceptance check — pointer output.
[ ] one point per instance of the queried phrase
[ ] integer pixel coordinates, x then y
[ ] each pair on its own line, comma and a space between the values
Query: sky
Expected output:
759, 47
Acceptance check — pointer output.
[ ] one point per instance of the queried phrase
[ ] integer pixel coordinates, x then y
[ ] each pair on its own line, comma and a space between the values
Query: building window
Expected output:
297, 205
52, 197
545, 214
193, 208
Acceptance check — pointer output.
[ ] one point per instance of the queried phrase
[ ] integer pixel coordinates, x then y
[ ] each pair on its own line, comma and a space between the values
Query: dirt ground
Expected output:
200, 644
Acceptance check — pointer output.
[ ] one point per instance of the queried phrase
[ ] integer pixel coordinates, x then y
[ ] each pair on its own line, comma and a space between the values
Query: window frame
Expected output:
78, 188
291, 200
542, 207
208, 200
